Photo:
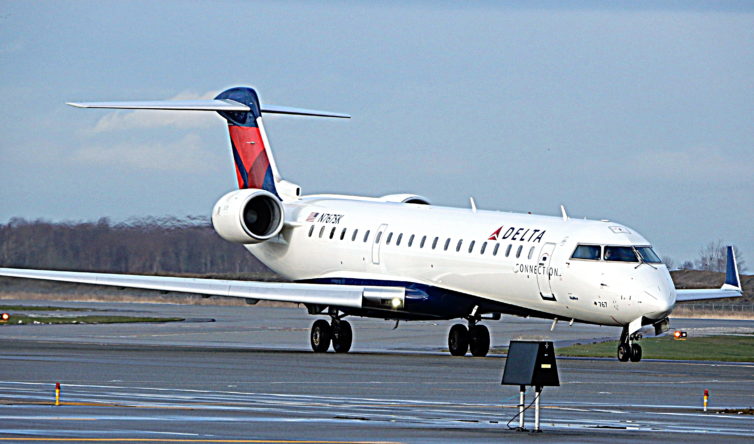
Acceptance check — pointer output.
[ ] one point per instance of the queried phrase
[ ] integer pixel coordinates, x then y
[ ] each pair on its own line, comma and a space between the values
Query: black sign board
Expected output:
531, 363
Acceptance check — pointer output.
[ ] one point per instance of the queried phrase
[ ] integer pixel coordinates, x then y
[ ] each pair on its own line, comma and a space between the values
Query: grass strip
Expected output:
23, 308
705, 348
91, 319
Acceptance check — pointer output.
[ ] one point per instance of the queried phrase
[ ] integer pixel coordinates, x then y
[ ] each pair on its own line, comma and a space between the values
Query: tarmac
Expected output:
247, 374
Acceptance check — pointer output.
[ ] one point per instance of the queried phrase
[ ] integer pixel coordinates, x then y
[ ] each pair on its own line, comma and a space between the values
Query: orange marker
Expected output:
57, 393
706, 398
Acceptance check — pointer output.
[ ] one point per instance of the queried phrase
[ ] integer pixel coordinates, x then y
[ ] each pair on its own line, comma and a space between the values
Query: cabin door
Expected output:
376, 244
545, 271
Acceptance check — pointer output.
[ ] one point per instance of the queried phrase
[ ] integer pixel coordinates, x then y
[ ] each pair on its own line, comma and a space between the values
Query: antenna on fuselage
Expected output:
473, 204
563, 212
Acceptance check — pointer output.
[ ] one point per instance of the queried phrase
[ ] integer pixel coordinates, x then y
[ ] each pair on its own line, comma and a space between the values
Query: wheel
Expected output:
635, 353
458, 340
342, 337
479, 340
624, 351
320, 337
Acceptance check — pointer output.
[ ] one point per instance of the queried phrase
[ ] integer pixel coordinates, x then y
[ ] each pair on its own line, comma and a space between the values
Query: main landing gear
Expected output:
338, 332
628, 349
476, 339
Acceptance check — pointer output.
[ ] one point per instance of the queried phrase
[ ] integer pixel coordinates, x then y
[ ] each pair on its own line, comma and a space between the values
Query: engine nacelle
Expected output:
405, 198
248, 216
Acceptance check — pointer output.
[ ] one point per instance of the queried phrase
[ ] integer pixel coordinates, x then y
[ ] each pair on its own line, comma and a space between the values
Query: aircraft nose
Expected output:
662, 298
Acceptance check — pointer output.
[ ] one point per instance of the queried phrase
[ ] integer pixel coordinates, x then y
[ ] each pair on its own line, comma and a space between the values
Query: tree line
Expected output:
147, 245
712, 257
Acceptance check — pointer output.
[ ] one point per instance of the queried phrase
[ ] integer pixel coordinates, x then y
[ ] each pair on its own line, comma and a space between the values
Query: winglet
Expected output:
732, 280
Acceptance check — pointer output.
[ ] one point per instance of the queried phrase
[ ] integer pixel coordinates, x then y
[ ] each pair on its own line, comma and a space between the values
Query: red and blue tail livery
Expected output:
253, 159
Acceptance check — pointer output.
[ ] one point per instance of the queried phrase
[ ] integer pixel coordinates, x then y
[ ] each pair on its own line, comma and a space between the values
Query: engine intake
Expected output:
248, 216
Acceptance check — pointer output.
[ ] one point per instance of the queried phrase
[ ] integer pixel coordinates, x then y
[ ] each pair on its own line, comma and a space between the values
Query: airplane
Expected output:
399, 258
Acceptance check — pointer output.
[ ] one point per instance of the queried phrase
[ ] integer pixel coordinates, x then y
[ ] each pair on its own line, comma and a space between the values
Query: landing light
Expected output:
396, 302
679, 335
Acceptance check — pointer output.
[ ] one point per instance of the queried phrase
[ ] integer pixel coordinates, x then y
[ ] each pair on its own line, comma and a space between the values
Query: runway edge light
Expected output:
5, 317
679, 335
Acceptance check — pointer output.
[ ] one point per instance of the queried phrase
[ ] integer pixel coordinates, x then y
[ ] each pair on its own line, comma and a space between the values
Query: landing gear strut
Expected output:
628, 349
338, 332
476, 339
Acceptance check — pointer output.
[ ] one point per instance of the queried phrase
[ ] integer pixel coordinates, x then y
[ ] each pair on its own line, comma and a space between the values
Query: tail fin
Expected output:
732, 279
255, 166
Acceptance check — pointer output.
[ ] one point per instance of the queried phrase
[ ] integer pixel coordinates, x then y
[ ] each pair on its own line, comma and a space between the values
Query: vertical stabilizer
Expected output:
255, 166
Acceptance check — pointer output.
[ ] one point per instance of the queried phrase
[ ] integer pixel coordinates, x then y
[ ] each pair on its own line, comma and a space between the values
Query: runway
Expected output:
250, 377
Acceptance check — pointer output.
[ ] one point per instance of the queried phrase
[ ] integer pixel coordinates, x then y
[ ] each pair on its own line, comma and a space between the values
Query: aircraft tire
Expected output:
342, 337
635, 353
479, 340
458, 340
624, 352
320, 336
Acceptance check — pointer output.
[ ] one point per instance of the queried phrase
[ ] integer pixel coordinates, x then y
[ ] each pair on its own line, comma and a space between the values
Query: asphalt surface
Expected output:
249, 376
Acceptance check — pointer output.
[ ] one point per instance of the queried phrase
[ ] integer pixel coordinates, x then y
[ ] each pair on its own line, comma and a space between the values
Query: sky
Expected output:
637, 112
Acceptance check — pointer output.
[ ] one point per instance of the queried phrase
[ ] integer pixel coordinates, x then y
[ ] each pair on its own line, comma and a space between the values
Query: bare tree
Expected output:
713, 257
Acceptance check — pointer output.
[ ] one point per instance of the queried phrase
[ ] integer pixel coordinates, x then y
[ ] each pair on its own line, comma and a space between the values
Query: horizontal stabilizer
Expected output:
173, 105
206, 105
272, 109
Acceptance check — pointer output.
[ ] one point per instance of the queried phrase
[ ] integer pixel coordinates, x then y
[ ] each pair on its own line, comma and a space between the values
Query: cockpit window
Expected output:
589, 252
648, 255
620, 254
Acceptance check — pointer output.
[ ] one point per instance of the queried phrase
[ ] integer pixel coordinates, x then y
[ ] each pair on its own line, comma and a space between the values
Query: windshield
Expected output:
589, 252
648, 255
620, 254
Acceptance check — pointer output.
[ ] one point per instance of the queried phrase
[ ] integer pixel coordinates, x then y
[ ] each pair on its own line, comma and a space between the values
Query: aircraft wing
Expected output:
355, 296
730, 289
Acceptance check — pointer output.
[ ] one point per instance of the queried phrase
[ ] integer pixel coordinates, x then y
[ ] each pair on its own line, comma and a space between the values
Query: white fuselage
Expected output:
520, 260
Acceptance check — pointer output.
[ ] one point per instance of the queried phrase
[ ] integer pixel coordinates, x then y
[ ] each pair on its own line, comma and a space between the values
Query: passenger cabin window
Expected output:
343, 234
484, 247
508, 250
322, 231
398, 241
353, 237
518, 252
588, 252
411, 240
421, 244
531, 252
620, 254
332, 232
389, 237
379, 236
471, 246
648, 255
497, 247
366, 235
434, 243
460, 242
311, 230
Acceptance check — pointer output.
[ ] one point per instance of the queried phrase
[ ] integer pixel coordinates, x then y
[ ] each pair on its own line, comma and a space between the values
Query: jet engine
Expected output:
248, 216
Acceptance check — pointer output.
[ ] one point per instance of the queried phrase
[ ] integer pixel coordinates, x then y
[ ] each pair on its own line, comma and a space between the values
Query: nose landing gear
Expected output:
628, 349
